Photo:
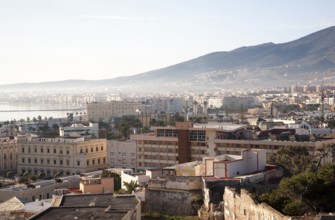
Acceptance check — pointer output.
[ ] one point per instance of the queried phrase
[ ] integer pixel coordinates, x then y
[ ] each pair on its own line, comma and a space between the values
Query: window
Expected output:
124, 161
81, 151
22, 150
23, 160
78, 162
102, 148
48, 150
41, 150
99, 161
132, 160
35, 150
42, 161
29, 150
87, 162
48, 161
67, 152
93, 161
54, 151
123, 153
86, 150
132, 154
96, 149
29, 160
104, 160
61, 151
55, 161
67, 162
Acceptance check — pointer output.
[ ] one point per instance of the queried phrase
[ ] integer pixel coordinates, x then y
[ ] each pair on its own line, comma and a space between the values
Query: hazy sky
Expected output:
49, 40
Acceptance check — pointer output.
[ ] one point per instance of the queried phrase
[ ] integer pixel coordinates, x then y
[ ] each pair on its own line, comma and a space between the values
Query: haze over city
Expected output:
59, 40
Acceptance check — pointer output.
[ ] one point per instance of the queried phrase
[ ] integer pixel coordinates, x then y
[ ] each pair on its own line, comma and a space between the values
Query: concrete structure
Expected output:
8, 154
109, 110
193, 168
174, 195
121, 154
94, 206
39, 190
80, 130
229, 166
59, 156
96, 185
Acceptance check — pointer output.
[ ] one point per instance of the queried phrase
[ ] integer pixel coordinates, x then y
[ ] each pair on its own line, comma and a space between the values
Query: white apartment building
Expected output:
76, 130
214, 102
109, 110
60, 156
228, 166
122, 154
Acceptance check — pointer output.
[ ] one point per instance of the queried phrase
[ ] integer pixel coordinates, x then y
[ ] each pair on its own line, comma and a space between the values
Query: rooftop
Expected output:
80, 213
116, 202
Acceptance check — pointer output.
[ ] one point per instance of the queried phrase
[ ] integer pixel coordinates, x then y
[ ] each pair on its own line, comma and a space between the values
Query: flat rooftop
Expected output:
102, 200
80, 213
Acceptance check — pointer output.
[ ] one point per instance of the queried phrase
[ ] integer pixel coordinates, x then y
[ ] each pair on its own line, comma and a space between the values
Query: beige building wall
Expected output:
155, 152
8, 154
108, 110
61, 156
96, 185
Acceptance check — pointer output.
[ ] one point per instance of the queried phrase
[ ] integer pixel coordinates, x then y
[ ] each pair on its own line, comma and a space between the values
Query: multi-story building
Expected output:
186, 142
8, 154
109, 110
79, 130
169, 146
235, 102
60, 156
121, 153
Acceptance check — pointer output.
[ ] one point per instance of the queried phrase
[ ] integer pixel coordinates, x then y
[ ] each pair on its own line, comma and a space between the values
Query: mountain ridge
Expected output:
264, 64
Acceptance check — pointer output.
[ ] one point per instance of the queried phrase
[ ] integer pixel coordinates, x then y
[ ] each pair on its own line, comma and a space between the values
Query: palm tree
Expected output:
130, 186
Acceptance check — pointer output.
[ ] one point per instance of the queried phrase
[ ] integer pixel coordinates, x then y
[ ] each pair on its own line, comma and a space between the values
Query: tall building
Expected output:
8, 154
59, 156
168, 146
109, 110
122, 154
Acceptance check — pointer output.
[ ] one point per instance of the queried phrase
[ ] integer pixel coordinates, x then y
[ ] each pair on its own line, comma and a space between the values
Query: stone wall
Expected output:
242, 206
173, 202
174, 195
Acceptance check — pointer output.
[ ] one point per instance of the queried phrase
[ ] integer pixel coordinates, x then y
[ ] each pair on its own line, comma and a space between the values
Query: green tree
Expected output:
10, 174
310, 191
22, 179
131, 186
293, 160
116, 176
